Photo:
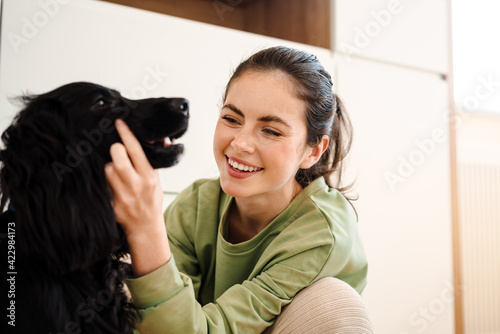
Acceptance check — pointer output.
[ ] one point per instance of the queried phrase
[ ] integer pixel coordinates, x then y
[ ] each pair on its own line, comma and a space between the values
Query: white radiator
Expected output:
479, 196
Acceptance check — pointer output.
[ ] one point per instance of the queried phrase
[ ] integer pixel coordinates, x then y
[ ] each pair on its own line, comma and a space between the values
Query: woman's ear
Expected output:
314, 153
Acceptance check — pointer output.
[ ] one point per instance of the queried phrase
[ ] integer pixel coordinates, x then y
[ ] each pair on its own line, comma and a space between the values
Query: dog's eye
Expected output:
100, 102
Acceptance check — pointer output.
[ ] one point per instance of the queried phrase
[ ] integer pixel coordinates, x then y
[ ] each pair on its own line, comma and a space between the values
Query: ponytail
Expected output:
331, 163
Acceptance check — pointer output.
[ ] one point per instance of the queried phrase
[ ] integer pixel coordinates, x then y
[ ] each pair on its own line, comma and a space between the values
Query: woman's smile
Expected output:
242, 166
240, 170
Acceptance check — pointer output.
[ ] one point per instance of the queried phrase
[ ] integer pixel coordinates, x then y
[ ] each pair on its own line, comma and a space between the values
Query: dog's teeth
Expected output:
167, 142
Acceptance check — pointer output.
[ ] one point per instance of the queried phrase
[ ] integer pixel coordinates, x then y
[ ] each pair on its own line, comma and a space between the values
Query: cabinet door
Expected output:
401, 161
408, 32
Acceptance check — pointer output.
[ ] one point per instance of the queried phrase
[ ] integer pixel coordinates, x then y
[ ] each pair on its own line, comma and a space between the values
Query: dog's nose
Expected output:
180, 104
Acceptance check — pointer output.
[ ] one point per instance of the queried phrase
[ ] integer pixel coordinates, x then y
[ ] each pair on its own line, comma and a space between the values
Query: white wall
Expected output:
478, 139
405, 229
475, 56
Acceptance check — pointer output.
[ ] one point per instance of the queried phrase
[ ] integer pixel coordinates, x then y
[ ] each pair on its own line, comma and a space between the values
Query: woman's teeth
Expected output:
242, 167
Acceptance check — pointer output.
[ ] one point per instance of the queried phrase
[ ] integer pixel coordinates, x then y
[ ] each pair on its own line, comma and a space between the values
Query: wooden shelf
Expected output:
303, 21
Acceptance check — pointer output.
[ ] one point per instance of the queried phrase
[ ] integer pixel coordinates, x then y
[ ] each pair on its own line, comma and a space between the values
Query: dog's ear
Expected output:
31, 142
59, 193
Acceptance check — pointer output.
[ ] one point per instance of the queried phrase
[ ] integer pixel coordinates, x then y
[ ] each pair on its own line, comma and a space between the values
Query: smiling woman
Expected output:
239, 248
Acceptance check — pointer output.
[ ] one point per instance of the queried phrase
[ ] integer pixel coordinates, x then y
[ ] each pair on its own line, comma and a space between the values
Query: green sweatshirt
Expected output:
213, 286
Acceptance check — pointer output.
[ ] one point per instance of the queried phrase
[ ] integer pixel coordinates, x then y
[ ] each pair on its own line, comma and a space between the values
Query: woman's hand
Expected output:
138, 199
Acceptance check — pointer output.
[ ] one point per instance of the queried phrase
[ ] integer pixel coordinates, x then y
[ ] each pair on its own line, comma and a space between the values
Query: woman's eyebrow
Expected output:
233, 108
269, 118
276, 119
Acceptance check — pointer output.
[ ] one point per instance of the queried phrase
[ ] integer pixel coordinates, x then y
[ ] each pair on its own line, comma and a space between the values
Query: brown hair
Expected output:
325, 113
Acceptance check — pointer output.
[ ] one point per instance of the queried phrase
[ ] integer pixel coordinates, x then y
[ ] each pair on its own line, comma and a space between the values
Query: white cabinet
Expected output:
401, 161
407, 32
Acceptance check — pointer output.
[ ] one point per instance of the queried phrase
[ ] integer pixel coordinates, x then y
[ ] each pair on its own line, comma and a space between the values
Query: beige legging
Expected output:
327, 306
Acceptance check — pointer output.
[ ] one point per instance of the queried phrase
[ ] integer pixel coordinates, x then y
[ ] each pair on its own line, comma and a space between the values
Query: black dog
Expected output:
64, 273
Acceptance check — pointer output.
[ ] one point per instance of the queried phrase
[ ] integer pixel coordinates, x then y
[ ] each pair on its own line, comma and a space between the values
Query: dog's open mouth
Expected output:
163, 152
165, 142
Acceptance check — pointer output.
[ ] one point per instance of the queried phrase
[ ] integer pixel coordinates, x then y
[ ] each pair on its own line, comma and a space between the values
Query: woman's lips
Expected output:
240, 169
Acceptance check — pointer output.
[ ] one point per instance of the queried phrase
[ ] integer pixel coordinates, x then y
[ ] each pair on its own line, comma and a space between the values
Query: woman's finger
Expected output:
122, 200
134, 148
114, 180
122, 165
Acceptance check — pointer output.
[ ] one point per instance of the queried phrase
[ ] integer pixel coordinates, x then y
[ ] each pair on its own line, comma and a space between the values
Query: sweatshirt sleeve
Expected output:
167, 303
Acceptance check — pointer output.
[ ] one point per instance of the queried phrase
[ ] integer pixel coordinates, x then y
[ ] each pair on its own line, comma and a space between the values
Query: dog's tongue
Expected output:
167, 142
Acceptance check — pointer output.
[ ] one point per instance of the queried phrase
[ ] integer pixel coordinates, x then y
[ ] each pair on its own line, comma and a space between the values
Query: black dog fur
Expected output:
69, 276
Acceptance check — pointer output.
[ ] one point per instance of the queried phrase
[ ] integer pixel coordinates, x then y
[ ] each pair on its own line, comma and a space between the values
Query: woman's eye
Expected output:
230, 119
272, 132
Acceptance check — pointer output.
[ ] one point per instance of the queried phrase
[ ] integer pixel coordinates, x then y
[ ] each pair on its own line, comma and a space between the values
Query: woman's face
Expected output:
260, 137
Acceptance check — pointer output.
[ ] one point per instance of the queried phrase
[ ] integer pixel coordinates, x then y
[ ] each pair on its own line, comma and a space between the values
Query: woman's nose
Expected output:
243, 142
